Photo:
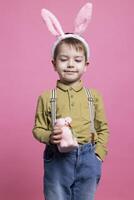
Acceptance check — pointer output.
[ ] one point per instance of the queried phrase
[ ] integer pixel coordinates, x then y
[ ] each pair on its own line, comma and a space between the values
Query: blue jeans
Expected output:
73, 175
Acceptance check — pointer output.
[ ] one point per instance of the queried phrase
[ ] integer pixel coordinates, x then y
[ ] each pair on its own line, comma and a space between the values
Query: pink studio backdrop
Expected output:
26, 71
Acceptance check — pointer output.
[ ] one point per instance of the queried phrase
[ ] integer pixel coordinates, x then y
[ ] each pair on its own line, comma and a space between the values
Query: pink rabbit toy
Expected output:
68, 142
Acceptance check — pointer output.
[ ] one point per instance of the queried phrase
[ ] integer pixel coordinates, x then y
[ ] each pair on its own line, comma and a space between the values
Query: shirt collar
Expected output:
76, 87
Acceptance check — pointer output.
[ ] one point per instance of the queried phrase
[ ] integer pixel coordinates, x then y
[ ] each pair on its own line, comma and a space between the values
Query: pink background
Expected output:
26, 71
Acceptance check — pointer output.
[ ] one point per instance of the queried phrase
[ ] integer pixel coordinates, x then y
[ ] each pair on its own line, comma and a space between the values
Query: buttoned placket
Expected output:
71, 98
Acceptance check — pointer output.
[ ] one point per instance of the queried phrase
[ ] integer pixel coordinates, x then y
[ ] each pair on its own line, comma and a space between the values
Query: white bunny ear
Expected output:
83, 18
52, 22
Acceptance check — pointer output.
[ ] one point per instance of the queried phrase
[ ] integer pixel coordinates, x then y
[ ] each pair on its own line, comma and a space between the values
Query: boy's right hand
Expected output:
56, 135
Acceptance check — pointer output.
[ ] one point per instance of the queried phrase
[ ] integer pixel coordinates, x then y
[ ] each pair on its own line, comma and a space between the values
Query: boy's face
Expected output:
70, 64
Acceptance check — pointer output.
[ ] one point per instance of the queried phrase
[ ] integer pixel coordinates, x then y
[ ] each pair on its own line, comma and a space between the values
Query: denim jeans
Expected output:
71, 176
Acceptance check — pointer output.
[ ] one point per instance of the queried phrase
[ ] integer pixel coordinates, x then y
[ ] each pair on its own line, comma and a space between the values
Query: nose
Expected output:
70, 63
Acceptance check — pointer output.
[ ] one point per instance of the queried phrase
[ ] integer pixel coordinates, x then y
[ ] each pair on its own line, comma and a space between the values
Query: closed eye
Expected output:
78, 61
63, 59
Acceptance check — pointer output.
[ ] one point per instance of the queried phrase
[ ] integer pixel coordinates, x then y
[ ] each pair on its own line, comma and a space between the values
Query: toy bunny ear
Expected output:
83, 18
52, 22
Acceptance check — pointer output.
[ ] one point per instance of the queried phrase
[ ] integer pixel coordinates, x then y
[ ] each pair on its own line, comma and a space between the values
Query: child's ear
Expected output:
54, 64
86, 65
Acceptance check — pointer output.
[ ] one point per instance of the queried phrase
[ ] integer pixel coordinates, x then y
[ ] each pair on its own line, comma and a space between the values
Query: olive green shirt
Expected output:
73, 102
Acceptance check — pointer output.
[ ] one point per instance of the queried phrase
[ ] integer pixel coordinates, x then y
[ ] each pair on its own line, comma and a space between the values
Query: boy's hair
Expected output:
72, 42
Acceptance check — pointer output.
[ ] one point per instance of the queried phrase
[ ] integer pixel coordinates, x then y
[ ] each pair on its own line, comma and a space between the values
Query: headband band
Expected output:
78, 37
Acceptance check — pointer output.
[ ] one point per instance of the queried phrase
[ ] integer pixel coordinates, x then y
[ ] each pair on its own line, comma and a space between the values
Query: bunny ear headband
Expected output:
81, 22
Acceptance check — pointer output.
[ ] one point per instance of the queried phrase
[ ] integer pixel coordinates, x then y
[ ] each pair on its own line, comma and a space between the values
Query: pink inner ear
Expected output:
58, 33
52, 22
83, 18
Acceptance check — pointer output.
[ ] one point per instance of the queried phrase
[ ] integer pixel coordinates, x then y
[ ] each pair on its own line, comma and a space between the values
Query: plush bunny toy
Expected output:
68, 142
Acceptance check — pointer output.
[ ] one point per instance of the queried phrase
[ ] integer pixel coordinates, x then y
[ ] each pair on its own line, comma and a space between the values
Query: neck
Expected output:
71, 83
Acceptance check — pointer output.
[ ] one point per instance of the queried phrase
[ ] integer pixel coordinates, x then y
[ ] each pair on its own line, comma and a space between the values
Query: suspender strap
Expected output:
91, 109
53, 106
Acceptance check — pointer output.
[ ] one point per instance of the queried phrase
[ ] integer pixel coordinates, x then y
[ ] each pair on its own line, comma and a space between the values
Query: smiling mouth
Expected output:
68, 71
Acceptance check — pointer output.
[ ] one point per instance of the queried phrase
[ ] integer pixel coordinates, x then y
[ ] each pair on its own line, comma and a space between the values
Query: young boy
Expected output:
72, 175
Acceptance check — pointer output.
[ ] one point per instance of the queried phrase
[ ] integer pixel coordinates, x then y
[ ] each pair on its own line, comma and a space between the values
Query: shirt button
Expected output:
72, 96
72, 104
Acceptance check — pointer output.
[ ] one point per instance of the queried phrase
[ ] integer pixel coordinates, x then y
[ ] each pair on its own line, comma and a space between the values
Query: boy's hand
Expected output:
56, 135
